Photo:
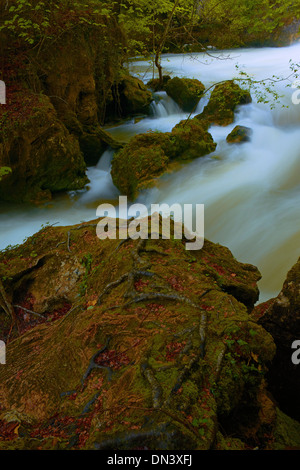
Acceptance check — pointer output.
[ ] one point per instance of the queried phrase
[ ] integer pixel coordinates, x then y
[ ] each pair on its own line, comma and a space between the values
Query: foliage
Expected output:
4, 170
32, 21
240, 22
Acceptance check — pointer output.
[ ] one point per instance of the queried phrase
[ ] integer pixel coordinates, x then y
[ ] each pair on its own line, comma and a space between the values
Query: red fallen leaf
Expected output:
18, 374
113, 359
173, 349
139, 285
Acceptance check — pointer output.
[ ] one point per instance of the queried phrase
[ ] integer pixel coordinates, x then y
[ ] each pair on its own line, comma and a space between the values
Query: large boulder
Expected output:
149, 155
190, 139
186, 92
225, 98
43, 156
50, 124
281, 317
140, 330
142, 160
129, 97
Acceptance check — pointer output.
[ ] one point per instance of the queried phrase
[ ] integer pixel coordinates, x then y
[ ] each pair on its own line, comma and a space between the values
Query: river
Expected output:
251, 191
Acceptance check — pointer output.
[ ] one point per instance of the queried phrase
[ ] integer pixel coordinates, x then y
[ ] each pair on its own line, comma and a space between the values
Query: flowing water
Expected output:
251, 191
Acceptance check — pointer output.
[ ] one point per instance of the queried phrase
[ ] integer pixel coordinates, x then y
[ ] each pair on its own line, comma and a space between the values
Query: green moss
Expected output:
135, 98
223, 102
44, 157
228, 443
142, 160
193, 388
185, 91
149, 155
287, 432
190, 140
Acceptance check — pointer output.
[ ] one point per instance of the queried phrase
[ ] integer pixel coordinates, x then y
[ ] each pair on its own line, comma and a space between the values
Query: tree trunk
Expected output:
162, 42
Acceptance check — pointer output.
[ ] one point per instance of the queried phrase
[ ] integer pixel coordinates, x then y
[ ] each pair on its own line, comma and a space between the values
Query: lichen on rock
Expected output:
159, 338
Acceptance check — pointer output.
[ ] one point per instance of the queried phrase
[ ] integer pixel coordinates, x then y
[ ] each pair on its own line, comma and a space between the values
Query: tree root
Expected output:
219, 363
31, 312
202, 333
6, 305
92, 365
67, 241
160, 296
111, 286
157, 392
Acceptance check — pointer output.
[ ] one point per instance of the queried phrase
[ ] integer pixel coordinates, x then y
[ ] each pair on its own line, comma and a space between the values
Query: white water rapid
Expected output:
251, 191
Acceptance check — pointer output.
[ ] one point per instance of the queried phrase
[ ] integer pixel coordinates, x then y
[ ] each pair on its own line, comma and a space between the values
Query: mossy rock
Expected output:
150, 335
239, 134
43, 156
190, 139
149, 155
186, 92
223, 102
281, 317
286, 432
139, 162
134, 96
155, 84
94, 142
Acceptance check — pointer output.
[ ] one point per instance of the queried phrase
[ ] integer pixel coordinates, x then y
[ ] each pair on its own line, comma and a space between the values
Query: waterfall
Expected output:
101, 185
163, 106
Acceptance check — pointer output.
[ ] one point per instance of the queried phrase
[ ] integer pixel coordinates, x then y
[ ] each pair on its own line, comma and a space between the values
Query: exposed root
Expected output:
202, 333
122, 242
69, 312
182, 377
92, 365
219, 363
6, 305
38, 315
160, 296
111, 286
154, 250
67, 241
157, 392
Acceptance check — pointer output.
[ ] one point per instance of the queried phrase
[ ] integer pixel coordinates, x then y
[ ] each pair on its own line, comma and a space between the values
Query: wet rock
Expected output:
43, 155
94, 142
239, 134
282, 319
151, 336
134, 96
223, 102
155, 84
186, 92
142, 160
147, 156
190, 139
